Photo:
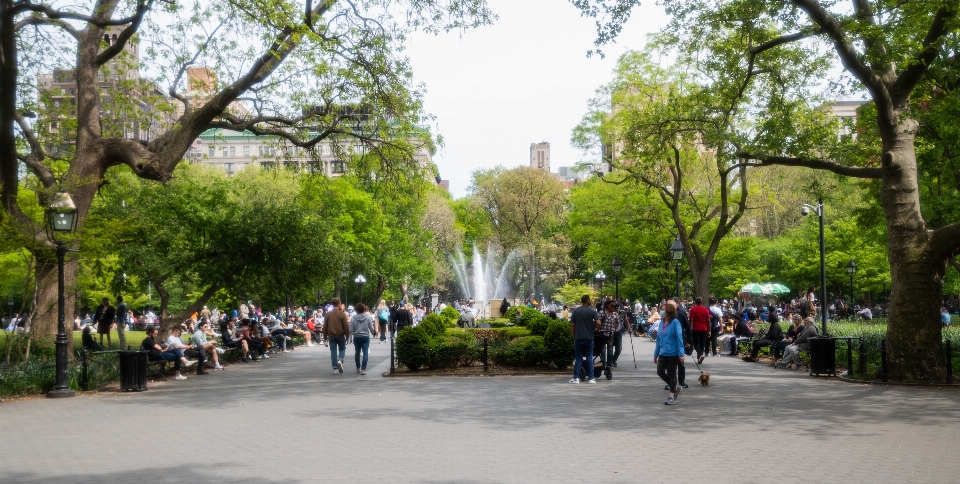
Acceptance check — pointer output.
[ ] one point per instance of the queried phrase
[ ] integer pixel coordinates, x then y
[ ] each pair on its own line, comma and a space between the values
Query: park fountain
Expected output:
484, 283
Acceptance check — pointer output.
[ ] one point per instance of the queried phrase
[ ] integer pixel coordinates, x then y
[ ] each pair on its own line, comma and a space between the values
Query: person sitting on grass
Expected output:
200, 342
189, 351
88, 343
158, 353
774, 335
791, 354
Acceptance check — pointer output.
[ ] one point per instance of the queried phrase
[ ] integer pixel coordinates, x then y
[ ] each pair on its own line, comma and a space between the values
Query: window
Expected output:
313, 167
213, 152
100, 76
261, 150
246, 151
229, 167
338, 167
233, 151
224, 151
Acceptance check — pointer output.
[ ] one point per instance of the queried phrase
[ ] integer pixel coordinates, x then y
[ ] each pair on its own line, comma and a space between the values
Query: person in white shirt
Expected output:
189, 351
716, 320
200, 342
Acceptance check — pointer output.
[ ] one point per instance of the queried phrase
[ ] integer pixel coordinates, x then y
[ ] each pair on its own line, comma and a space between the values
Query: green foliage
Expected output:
453, 350
451, 316
537, 322
513, 314
571, 292
433, 324
525, 351
559, 344
413, 346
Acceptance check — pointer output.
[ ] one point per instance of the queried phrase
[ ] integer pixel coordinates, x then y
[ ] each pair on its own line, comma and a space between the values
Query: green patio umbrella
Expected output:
752, 288
776, 289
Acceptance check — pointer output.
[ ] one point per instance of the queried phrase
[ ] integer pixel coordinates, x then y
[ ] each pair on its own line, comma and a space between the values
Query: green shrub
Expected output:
452, 351
537, 322
413, 347
451, 316
526, 351
498, 324
433, 324
514, 332
559, 344
514, 313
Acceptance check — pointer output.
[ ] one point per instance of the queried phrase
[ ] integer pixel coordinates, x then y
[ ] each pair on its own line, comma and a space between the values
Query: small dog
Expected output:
704, 379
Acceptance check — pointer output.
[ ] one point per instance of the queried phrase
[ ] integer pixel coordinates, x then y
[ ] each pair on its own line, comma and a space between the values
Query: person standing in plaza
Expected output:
584, 322
669, 351
104, 318
700, 326
716, 318
336, 328
120, 317
404, 317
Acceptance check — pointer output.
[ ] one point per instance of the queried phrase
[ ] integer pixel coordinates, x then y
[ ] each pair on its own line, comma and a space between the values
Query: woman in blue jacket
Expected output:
669, 351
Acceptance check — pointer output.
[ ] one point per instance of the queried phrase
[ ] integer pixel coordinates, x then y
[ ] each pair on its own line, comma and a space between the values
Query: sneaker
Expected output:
363, 372
575, 381
336, 371
285, 351
221, 351
267, 356
676, 394
592, 380
288, 338
190, 363
358, 370
340, 366
311, 345
700, 359
669, 401
683, 385
218, 366
666, 387
180, 377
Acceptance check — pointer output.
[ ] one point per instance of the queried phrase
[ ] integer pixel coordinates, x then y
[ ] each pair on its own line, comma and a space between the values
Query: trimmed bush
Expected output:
452, 350
434, 324
451, 316
537, 322
559, 344
514, 313
413, 347
526, 351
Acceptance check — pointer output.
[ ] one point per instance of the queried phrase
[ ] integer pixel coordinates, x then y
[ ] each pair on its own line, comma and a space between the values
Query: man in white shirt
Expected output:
189, 351
716, 319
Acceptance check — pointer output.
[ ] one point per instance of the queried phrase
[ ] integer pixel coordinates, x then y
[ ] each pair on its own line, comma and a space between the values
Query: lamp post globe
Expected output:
62, 219
804, 210
617, 267
676, 253
851, 270
360, 281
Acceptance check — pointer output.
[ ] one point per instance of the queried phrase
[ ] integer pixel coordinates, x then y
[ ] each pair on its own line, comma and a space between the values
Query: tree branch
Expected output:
35, 20
61, 15
928, 52
854, 171
126, 34
946, 240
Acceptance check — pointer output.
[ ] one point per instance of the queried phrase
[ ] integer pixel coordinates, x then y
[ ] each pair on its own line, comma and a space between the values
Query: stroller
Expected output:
600, 342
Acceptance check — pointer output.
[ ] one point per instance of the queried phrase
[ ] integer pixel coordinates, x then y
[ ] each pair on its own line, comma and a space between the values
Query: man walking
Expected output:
584, 322
336, 328
700, 323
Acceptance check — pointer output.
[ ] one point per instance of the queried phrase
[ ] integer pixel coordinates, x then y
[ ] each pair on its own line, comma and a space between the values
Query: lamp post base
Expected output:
61, 394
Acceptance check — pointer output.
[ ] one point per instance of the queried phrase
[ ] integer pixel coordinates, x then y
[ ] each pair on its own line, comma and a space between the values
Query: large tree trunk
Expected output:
44, 321
701, 279
914, 330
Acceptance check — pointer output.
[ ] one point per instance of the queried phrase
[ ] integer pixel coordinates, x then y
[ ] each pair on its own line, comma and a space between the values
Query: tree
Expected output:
524, 206
328, 73
887, 50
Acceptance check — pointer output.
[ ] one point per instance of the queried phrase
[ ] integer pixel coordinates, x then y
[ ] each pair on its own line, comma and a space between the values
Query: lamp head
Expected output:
804, 210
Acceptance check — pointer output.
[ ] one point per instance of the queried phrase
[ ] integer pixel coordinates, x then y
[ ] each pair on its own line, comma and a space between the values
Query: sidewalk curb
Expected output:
898, 384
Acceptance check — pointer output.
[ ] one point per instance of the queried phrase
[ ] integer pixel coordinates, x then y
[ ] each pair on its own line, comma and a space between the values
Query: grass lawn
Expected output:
134, 338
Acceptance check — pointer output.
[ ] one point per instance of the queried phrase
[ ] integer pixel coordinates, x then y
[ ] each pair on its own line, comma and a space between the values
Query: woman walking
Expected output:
383, 317
669, 353
361, 326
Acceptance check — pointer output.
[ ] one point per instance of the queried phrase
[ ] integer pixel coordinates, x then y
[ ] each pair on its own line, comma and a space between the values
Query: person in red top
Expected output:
700, 324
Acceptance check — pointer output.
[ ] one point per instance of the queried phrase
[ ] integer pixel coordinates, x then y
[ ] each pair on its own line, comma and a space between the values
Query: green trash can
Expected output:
823, 356
133, 371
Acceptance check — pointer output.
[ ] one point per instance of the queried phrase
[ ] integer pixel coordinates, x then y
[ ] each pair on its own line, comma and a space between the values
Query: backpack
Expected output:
385, 314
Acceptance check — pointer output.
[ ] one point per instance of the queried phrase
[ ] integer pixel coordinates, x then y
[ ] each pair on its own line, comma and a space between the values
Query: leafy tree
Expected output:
329, 73
887, 50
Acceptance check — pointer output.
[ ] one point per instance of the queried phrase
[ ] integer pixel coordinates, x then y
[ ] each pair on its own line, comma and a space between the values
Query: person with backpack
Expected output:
383, 319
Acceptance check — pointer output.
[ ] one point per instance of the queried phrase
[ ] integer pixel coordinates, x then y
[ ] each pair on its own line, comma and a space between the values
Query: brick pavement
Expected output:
291, 420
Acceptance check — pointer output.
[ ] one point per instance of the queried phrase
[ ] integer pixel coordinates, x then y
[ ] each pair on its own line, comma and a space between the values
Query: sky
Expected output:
525, 79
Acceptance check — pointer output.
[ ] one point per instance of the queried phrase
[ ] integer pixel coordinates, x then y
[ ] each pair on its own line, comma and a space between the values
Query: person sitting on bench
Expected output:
774, 335
741, 330
158, 353
792, 332
200, 342
791, 354
189, 351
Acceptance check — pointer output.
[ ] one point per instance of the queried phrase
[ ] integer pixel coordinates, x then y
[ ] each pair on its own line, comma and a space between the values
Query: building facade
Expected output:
540, 155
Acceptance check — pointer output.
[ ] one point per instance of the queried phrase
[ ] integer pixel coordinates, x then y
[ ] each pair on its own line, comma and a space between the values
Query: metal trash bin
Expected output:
823, 356
133, 371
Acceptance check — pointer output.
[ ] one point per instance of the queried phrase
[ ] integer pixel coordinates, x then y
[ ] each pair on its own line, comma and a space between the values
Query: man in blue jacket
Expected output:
669, 352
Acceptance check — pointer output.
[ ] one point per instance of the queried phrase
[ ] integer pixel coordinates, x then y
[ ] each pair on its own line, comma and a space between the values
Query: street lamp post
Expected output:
10, 308
617, 266
360, 281
600, 277
62, 219
676, 253
805, 210
344, 275
851, 269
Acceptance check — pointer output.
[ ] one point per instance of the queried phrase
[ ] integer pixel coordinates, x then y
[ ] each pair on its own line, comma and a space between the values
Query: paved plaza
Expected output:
291, 420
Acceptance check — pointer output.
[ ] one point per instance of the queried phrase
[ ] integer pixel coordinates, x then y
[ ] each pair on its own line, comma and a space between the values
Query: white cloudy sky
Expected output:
525, 79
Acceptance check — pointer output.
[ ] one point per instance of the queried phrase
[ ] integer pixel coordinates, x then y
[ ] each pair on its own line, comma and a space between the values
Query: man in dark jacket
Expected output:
774, 335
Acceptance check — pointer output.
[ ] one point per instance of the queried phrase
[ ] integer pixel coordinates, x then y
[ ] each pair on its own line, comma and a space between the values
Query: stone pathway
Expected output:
290, 419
